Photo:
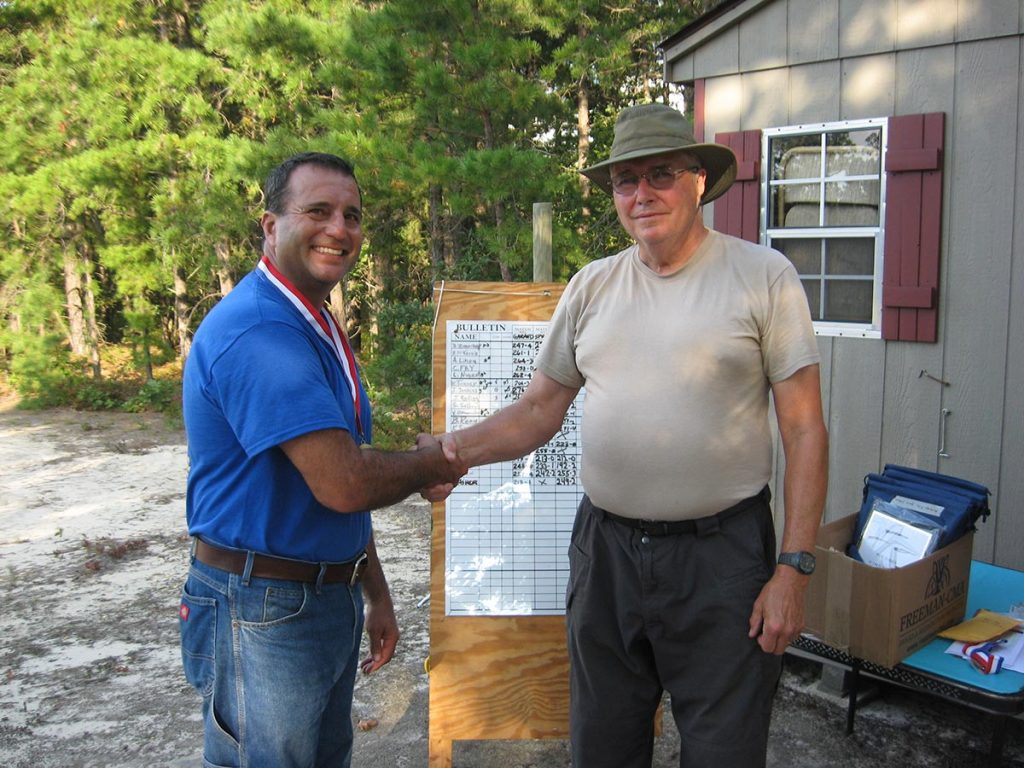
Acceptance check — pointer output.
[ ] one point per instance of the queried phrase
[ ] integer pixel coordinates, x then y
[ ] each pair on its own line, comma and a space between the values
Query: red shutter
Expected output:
913, 227
737, 212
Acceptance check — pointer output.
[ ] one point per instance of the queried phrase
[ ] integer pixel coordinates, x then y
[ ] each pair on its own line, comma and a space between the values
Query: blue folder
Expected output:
953, 504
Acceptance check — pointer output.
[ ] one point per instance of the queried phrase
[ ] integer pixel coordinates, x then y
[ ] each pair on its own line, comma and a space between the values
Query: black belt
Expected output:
268, 567
700, 525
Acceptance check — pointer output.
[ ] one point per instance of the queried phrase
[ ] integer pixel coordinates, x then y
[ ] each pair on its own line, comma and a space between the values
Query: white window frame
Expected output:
872, 330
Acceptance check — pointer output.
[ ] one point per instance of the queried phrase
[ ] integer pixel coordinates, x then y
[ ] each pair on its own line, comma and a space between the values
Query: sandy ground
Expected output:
93, 551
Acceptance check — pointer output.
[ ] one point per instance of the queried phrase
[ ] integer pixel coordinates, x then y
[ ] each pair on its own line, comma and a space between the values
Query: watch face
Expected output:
802, 561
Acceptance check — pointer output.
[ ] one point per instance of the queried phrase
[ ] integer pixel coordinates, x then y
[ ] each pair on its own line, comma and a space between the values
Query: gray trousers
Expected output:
648, 614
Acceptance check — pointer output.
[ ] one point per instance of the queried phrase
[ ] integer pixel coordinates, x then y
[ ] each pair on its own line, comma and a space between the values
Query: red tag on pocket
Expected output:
183, 612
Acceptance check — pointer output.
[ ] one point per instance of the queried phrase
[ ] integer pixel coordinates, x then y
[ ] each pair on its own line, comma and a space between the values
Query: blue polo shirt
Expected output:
257, 376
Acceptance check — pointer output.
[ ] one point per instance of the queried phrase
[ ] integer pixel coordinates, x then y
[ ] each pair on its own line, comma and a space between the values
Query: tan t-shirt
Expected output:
677, 371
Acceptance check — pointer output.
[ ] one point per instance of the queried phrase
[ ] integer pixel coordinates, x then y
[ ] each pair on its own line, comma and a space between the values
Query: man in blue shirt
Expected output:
280, 490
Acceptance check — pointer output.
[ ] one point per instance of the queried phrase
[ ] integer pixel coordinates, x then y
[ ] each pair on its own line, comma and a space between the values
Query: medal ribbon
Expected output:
325, 325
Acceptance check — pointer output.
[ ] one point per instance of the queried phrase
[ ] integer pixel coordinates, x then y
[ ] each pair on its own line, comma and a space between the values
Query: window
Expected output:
824, 200
823, 207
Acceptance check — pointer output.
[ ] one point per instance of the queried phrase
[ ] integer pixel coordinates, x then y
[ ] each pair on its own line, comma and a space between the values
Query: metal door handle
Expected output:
942, 433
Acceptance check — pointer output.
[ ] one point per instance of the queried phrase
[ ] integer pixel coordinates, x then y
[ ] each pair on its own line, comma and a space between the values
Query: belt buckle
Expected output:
358, 568
654, 527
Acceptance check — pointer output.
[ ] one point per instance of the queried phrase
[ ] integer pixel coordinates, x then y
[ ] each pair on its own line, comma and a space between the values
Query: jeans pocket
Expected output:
282, 603
197, 620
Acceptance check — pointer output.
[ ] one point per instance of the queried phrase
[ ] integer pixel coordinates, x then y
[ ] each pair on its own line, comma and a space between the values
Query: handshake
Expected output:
447, 466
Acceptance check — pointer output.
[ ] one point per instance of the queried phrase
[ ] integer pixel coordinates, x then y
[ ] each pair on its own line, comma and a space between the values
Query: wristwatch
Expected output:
802, 561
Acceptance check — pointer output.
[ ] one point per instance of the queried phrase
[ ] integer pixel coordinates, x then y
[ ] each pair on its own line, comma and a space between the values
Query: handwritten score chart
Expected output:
508, 524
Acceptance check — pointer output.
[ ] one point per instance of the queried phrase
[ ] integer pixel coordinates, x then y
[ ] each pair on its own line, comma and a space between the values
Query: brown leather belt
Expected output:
268, 567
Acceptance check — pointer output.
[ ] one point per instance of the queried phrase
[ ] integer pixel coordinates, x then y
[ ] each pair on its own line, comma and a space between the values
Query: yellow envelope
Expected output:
985, 625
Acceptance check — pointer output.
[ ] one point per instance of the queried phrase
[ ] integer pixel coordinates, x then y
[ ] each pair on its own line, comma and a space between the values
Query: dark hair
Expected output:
275, 190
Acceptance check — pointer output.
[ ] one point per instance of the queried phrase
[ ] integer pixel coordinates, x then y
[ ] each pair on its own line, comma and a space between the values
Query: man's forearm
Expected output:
347, 478
385, 478
804, 487
805, 444
508, 434
519, 428
375, 585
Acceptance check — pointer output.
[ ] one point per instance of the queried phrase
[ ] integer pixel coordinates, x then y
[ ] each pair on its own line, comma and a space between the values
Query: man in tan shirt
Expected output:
679, 340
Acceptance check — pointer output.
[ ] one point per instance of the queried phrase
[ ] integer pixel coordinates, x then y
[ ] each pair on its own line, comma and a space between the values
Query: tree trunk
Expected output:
499, 208
147, 355
73, 301
223, 251
437, 249
181, 314
583, 141
376, 278
499, 218
452, 243
92, 328
347, 316
81, 302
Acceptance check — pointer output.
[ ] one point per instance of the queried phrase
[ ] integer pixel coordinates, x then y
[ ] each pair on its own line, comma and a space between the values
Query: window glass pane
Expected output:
802, 206
813, 290
805, 254
796, 205
853, 152
848, 301
851, 204
784, 149
850, 256
796, 157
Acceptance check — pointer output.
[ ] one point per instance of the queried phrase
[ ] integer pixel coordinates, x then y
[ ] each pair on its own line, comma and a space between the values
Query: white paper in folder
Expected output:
888, 541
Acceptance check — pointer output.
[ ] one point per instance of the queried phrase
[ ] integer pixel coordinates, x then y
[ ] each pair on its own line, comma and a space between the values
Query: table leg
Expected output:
851, 707
995, 755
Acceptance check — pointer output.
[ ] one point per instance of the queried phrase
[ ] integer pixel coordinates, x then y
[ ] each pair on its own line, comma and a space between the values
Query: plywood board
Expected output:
491, 677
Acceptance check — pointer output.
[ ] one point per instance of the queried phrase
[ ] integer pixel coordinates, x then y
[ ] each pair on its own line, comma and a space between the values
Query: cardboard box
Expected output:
883, 615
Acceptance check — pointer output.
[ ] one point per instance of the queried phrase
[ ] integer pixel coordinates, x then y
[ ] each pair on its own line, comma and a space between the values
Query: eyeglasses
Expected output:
659, 177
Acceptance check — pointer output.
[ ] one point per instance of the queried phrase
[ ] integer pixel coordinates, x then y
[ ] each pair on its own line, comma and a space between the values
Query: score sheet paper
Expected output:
507, 525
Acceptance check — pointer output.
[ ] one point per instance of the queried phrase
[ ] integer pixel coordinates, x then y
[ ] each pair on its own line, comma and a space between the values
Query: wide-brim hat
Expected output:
650, 129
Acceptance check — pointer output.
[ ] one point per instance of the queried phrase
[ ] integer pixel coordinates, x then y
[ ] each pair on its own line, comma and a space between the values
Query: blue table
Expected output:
932, 670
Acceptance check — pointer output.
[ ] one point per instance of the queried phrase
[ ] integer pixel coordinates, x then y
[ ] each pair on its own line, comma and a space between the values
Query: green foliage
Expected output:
84, 394
397, 375
39, 362
156, 395
72, 386
39, 369
137, 137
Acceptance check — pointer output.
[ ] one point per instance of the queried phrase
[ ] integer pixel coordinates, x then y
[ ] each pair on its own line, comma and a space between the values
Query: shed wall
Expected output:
790, 62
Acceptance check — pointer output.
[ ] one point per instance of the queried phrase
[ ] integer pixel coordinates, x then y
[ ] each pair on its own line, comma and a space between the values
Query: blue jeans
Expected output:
275, 662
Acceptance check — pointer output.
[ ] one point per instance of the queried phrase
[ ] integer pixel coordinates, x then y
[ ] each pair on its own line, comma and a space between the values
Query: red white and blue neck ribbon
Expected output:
325, 325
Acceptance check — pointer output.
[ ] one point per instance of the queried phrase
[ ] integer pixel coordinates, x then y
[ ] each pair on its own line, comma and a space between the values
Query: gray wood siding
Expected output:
925, 22
816, 21
791, 62
979, 19
866, 27
922, 81
1009, 543
976, 285
720, 56
762, 39
810, 30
